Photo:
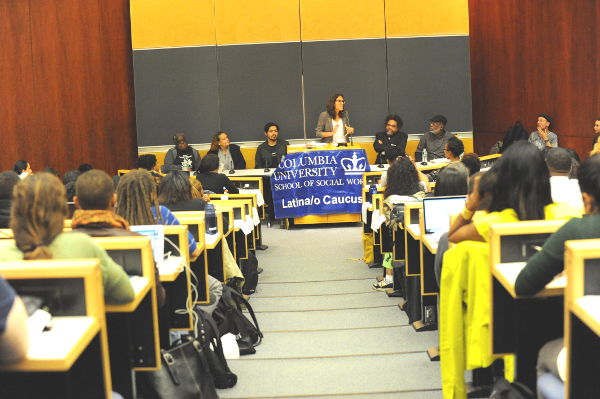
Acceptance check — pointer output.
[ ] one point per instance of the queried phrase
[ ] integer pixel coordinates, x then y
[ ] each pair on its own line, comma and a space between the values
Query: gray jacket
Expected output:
325, 125
172, 154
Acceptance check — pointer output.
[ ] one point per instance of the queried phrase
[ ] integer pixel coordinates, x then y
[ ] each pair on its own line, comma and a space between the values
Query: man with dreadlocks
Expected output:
95, 215
37, 220
137, 203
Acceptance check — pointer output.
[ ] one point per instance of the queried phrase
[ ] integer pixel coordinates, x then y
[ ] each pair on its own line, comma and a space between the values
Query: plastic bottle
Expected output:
424, 155
373, 189
210, 219
221, 167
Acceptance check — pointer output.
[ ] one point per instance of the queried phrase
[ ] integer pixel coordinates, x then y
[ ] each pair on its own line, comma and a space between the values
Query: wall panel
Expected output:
430, 76
426, 17
257, 21
355, 68
260, 83
176, 92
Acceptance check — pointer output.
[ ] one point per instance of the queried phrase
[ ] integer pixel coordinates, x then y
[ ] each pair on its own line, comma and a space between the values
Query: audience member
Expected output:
472, 162
22, 168
71, 176
563, 189
182, 156
272, 150
390, 155
137, 202
211, 179
543, 137
197, 189
452, 180
37, 221
116, 179
520, 191
84, 167
454, 149
14, 337
175, 193
70, 190
8, 180
150, 163
405, 183
435, 140
334, 125
391, 138
596, 132
95, 216
49, 169
228, 154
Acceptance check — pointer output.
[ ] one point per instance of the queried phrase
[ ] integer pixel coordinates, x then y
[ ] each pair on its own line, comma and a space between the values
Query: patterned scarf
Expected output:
98, 217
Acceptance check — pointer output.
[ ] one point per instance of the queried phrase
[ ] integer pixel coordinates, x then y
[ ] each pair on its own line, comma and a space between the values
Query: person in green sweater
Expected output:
37, 219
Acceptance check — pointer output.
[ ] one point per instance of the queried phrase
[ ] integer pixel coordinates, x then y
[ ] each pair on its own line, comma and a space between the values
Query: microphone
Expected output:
380, 166
266, 166
232, 171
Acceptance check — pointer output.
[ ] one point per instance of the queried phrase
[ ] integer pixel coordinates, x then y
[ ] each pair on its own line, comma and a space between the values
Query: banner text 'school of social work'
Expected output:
319, 183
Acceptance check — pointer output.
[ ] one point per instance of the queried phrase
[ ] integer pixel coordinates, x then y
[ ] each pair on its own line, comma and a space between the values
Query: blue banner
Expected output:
319, 183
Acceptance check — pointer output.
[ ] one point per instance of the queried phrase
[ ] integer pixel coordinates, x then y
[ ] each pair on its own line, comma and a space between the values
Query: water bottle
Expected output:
210, 219
373, 189
221, 167
424, 155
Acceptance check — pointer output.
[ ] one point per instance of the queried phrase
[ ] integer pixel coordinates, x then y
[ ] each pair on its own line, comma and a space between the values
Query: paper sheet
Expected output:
374, 218
365, 207
260, 200
255, 217
242, 225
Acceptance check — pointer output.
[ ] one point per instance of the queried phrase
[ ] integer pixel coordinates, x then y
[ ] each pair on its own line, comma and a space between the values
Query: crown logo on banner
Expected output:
354, 165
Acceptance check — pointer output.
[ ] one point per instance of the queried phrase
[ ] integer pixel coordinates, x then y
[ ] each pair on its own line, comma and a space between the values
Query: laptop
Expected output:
157, 239
437, 211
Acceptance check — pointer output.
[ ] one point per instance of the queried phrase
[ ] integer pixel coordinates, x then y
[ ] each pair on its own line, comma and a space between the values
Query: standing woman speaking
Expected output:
334, 125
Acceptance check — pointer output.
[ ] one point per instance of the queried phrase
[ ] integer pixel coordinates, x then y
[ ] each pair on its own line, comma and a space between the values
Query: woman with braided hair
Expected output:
137, 202
38, 212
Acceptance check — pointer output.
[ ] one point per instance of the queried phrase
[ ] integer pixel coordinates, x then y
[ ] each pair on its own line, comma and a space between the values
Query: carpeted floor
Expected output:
328, 334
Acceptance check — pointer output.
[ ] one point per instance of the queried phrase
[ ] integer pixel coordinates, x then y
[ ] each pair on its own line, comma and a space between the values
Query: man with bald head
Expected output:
182, 156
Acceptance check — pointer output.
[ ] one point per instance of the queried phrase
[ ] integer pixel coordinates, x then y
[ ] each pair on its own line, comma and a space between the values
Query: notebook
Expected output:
157, 239
437, 211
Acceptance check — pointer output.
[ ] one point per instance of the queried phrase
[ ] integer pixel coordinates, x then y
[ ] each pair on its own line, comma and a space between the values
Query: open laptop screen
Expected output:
437, 211
157, 238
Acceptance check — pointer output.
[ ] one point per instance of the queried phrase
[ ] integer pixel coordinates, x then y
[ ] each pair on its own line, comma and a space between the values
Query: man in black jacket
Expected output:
392, 137
269, 153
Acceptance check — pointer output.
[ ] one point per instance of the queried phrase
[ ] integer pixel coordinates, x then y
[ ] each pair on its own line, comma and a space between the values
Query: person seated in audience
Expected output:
37, 221
71, 176
575, 161
334, 125
8, 180
472, 162
14, 336
22, 168
197, 189
175, 193
563, 189
521, 191
596, 132
454, 149
391, 138
182, 156
211, 179
543, 137
137, 202
405, 183
95, 216
49, 169
70, 189
435, 140
390, 155
84, 167
228, 154
272, 150
452, 180
549, 261
150, 163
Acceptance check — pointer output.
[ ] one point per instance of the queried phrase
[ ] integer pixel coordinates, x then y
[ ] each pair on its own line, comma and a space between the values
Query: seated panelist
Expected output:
392, 137
334, 125
229, 154
272, 150
182, 156
435, 140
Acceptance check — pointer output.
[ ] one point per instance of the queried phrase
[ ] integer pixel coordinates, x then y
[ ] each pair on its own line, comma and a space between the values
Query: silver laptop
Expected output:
437, 211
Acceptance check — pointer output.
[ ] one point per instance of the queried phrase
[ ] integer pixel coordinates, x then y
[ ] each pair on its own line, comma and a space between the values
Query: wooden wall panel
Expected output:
67, 84
407, 18
528, 58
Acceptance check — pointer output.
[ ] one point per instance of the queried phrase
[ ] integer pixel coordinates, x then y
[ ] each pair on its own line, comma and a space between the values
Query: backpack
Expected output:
230, 319
503, 389
249, 268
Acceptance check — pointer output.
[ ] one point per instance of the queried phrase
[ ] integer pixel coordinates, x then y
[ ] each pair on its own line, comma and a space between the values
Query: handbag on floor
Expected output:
230, 319
184, 374
208, 334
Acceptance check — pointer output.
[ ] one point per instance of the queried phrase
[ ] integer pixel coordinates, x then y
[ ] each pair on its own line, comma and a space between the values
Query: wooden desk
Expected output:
240, 241
582, 318
429, 286
71, 360
179, 291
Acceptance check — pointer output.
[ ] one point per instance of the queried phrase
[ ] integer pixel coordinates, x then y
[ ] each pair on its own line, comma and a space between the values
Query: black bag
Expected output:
249, 268
503, 389
230, 319
184, 374
208, 333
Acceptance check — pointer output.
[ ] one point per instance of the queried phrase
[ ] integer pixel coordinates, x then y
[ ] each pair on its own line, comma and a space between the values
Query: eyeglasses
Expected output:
180, 141
340, 101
